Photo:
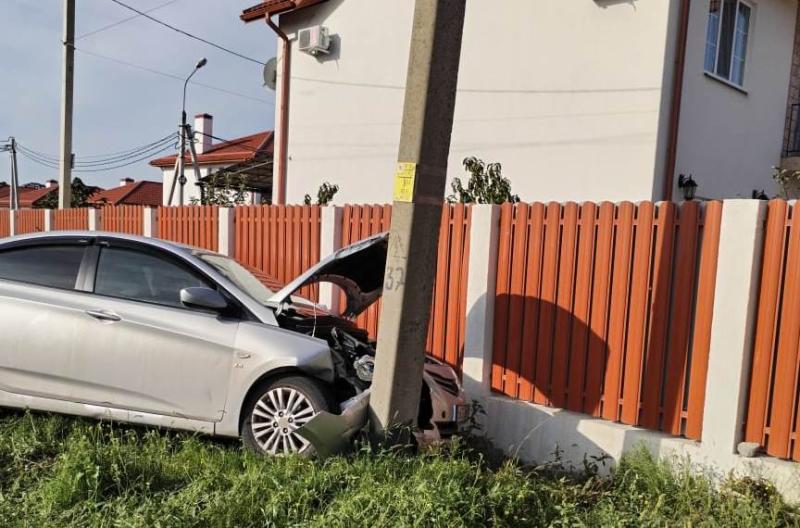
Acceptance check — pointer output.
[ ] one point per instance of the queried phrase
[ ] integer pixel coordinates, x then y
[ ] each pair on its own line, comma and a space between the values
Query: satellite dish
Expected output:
271, 73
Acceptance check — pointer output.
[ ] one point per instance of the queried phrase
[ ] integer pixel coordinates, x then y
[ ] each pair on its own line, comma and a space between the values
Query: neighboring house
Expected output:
246, 160
578, 99
29, 195
129, 192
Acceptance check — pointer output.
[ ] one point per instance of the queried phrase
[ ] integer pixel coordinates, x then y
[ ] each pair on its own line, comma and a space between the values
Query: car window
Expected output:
55, 266
141, 276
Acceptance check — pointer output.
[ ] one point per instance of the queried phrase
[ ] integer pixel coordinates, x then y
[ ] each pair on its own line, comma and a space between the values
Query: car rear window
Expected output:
55, 266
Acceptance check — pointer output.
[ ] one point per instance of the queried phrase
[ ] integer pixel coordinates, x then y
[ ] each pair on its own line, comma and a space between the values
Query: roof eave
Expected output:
258, 12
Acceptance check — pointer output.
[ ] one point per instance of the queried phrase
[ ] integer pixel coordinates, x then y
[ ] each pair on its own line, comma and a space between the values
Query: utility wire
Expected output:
171, 76
113, 159
119, 22
53, 166
186, 33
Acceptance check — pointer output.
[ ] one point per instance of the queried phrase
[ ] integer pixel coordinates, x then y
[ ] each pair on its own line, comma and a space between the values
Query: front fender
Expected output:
261, 350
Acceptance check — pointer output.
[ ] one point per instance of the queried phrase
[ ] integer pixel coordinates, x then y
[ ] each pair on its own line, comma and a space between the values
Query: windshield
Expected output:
239, 275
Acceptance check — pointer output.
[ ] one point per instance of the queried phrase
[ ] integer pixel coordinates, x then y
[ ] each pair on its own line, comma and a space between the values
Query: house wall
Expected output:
566, 94
729, 139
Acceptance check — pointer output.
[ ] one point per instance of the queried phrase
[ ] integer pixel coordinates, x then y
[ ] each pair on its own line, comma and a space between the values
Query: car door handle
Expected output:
103, 315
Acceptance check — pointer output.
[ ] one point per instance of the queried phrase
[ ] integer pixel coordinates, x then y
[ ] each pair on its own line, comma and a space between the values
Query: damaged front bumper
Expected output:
332, 433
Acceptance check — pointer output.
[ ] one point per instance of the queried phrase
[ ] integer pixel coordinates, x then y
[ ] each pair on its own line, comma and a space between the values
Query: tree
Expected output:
325, 194
223, 190
486, 184
80, 196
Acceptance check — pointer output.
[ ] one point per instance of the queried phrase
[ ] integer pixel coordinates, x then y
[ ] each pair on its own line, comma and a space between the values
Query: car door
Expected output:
41, 315
143, 349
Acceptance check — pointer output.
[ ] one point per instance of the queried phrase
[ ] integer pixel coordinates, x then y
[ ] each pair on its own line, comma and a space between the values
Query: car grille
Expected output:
447, 384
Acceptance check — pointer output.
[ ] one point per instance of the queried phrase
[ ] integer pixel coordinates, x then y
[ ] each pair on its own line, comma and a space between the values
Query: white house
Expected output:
578, 99
246, 159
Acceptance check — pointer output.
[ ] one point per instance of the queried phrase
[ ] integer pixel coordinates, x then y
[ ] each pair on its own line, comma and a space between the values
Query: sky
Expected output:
117, 106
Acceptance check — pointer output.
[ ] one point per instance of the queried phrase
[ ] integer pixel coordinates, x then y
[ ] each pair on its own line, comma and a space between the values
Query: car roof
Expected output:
55, 235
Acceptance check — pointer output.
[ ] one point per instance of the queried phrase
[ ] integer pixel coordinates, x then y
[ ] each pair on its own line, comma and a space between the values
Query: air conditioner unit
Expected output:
314, 40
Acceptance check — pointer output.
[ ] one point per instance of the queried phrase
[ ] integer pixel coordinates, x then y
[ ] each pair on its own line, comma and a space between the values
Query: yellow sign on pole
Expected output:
404, 182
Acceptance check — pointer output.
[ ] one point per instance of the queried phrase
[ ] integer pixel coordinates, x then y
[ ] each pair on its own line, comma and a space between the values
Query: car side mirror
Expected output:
207, 298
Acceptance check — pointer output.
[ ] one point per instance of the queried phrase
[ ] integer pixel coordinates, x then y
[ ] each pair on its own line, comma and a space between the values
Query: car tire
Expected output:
276, 408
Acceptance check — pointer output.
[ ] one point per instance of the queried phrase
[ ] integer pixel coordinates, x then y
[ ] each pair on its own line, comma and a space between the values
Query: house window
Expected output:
726, 39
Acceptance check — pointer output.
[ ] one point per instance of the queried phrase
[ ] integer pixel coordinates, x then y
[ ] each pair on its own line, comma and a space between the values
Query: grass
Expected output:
57, 471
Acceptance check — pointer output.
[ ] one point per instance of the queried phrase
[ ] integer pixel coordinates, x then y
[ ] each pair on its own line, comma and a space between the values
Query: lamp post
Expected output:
181, 178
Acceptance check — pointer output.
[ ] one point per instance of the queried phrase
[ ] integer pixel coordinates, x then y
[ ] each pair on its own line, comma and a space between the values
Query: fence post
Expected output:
12, 223
733, 324
481, 282
226, 241
94, 219
49, 217
330, 239
149, 222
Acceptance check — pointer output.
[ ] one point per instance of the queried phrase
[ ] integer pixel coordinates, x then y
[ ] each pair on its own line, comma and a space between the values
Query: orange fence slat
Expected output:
660, 288
566, 290
638, 312
598, 350
703, 313
620, 284
580, 339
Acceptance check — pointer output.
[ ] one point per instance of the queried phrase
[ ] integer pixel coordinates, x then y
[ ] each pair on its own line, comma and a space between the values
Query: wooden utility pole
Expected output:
418, 195
68, 72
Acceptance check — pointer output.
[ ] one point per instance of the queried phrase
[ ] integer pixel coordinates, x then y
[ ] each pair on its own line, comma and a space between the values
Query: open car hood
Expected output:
357, 269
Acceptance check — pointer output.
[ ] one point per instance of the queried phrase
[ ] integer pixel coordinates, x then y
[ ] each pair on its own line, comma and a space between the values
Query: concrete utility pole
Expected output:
14, 197
65, 173
418, 196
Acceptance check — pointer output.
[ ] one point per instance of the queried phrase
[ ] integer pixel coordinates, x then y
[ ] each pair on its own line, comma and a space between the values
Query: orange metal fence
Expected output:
193, 225
448, 310
65, 219
29, 221
122, 219
606, 309
772, 415
5, 223
280, 240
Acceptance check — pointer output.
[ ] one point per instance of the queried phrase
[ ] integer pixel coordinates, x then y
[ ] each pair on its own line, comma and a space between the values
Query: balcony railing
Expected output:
792, 146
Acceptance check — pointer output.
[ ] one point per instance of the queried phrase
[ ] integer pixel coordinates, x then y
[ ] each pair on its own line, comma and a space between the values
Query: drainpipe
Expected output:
677, 95
281, 151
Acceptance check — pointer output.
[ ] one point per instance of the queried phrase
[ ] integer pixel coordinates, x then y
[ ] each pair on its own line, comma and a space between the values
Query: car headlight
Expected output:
364, 367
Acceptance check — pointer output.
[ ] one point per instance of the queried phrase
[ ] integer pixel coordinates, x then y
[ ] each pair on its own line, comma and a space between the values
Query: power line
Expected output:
105, 159
119, 22
45, 163
171, 76
186, 33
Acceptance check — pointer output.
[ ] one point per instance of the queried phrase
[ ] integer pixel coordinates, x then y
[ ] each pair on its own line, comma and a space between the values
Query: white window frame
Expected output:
713, 73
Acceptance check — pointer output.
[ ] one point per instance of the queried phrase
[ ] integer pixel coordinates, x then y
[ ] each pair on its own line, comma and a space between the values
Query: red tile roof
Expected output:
275, 7
138, 193
234, 151
27, 197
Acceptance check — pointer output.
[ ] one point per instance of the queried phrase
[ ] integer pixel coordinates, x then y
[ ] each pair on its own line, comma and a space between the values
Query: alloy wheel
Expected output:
276, 418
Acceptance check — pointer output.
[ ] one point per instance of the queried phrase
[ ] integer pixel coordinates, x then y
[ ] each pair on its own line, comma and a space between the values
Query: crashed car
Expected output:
139, 330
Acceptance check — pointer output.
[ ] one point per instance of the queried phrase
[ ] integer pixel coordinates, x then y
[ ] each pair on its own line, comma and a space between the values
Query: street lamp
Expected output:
181, 178
688, 186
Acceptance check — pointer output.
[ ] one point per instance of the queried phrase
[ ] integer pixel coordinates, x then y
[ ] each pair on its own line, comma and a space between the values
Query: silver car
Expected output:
145, 331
